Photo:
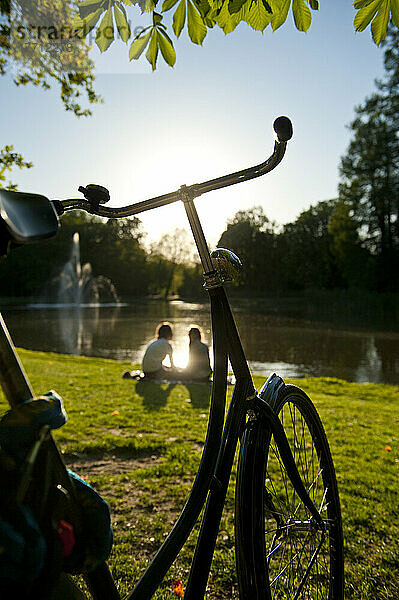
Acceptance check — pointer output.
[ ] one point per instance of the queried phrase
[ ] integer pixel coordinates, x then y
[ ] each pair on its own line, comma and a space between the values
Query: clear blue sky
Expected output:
211, 114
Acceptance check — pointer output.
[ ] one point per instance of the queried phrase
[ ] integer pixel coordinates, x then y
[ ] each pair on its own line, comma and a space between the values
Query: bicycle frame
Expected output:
211, 483
221, 442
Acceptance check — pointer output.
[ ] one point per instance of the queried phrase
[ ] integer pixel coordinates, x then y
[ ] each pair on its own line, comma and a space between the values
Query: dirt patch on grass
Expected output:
139, 517
108, 463
128, 499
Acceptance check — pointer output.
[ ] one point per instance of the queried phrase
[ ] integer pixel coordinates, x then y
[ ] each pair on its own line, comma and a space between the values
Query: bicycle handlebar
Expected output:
94, 204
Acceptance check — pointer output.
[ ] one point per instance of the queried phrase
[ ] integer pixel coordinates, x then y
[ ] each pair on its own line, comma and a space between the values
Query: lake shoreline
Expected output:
281, 336
353, 307
257, 376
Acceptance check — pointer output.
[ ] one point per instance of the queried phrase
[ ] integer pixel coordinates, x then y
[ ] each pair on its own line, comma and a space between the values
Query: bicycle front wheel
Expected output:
292, 555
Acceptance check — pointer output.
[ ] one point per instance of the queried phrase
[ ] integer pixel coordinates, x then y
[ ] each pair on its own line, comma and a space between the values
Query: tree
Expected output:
321, 249
353, 261
38, 46
167, 255
8, 160
252, 237
305, 249
192, 281
389, 89
113, 248
201, 15
37, 42
370, 169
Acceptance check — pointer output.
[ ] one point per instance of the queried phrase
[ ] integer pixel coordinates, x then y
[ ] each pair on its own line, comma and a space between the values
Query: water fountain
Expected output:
79, 289
79, 298
78, 286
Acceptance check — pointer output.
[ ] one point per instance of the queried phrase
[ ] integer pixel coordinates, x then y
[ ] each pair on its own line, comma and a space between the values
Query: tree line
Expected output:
114, 248
322, 249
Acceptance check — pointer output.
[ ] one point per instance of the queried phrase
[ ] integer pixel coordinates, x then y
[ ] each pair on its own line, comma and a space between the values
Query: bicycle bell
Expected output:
227, 264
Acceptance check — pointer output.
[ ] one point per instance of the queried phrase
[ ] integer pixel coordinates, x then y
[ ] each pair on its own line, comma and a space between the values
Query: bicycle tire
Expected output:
277, 537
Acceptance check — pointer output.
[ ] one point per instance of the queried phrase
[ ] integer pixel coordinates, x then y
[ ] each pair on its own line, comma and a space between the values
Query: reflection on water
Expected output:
288, 345
78, 326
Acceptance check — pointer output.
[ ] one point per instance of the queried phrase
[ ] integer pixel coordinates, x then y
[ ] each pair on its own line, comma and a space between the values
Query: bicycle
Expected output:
288, 527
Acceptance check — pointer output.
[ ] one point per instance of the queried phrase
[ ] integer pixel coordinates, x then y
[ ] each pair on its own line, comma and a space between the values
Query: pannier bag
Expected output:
43, 530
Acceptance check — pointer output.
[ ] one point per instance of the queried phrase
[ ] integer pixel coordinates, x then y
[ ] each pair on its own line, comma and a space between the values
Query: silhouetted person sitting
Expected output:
199, 366
156, 353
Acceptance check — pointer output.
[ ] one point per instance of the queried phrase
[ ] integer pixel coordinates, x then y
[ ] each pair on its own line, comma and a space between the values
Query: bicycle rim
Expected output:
301, 560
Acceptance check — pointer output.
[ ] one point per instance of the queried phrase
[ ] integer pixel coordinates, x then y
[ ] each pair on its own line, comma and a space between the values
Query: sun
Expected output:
165, 166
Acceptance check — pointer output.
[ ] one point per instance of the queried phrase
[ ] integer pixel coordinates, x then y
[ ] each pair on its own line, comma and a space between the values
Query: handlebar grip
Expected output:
283, 128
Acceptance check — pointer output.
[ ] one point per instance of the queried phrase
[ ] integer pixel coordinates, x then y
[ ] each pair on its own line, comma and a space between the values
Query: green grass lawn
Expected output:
140, 444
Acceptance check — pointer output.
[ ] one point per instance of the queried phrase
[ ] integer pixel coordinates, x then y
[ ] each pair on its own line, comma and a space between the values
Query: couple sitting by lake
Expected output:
198, 367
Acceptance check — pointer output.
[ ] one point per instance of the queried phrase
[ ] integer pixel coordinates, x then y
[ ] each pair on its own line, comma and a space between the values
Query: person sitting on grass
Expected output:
198, 367
156, 352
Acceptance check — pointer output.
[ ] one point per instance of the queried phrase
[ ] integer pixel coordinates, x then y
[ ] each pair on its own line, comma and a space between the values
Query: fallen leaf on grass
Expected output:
177, 588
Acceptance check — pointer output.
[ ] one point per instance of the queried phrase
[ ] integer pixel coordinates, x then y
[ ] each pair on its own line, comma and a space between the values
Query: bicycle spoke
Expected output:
281, 561
289, 563
308, 490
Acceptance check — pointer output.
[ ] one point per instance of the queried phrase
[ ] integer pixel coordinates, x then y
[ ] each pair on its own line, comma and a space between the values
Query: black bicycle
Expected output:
288, 527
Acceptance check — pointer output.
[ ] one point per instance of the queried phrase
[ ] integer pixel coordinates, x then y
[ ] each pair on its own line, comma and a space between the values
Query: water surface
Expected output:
275, 340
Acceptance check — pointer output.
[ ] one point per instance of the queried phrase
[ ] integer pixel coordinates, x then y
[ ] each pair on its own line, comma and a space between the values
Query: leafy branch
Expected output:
8, 160
38, 46
154, 39
378, 13
200, 15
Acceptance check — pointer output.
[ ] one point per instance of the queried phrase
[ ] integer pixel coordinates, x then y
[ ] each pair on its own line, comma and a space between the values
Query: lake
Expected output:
276, 338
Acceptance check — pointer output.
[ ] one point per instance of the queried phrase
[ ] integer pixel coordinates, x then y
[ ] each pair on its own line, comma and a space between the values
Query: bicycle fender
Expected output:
271, 389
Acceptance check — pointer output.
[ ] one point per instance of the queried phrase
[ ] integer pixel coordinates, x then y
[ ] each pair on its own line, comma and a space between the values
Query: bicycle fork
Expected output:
263, 404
